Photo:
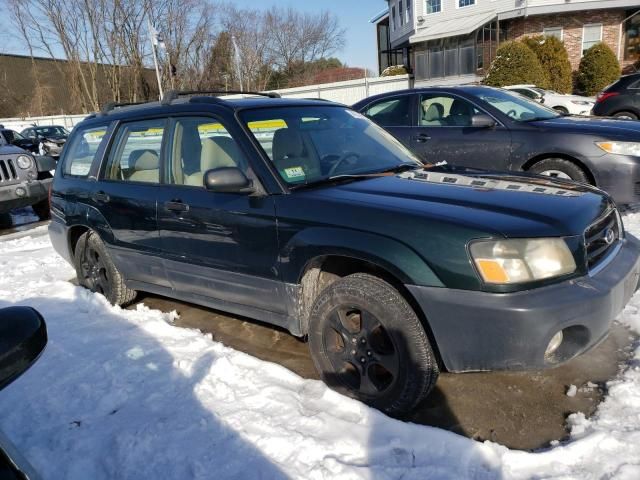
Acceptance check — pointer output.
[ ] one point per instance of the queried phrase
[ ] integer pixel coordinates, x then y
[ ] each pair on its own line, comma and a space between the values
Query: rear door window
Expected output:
135, 156
81, 151
393, 112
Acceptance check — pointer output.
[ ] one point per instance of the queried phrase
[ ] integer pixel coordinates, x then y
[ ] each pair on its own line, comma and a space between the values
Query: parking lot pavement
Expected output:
520, 410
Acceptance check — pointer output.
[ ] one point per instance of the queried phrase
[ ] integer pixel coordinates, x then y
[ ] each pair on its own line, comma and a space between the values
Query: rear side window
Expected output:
81, 151
135, 156
394, 112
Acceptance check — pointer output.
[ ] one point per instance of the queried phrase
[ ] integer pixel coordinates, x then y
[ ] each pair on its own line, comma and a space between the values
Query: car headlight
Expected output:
580, 102
505, 262
24, 162
620, 148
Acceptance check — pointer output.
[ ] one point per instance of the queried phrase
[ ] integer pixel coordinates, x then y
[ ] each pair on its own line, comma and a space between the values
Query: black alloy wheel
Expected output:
360, 350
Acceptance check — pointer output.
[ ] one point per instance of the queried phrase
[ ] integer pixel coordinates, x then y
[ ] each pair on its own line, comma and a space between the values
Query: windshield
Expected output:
51, 131
516, 107
312, 144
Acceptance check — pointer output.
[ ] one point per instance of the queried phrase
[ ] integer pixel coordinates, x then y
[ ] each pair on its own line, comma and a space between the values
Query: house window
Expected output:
466, 3
401, 11
553, 32
409, 11
632, 37
393, 18
434, 6
591, 34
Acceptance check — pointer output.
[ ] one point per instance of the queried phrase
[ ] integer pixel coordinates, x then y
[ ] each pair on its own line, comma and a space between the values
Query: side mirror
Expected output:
482, 121
227, 180
23, 336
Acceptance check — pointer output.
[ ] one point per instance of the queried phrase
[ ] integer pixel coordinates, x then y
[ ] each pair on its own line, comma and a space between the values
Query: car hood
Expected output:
55, 139
600, 126
11, 150
492, 202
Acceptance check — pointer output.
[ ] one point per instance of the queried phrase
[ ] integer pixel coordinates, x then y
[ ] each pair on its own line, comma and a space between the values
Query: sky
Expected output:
359, 50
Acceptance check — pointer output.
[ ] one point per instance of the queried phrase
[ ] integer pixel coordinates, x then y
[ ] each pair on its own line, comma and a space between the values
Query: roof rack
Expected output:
172, 95
107, 107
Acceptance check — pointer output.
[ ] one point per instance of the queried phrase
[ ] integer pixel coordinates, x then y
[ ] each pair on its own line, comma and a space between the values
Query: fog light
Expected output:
21, 192
554, 343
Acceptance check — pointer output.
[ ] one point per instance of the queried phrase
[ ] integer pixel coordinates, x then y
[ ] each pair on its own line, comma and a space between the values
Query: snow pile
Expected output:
124, 394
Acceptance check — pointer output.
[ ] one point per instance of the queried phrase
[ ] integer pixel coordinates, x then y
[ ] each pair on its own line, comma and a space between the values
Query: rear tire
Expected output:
95, 271
560, 168
627, 115
561, 110
42, 209
368, 343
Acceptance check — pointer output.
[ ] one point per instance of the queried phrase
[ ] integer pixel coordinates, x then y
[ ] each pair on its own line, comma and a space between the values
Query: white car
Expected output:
569, 104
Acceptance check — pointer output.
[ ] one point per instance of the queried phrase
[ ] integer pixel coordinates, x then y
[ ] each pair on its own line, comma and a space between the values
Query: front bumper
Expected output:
619, 176
488, 331
34, 192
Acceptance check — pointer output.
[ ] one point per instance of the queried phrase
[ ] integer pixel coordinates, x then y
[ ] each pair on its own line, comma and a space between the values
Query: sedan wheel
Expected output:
556, 174
560, 168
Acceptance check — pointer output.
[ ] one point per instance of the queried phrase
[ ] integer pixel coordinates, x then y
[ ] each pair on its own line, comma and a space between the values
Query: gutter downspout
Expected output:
620, 33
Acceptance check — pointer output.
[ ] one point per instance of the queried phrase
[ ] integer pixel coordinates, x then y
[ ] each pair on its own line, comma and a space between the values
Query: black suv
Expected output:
620, 99
306, 215
24, 180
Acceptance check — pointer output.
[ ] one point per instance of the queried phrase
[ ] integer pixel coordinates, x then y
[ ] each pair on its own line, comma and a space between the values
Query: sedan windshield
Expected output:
312, 144
516, 106
54, 131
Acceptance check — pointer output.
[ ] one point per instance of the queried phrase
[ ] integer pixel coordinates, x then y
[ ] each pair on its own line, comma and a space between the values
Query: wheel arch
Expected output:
74, 235
578, 163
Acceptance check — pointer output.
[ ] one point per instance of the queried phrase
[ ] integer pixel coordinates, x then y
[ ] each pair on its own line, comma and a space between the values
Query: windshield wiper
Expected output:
540, 119
357, 176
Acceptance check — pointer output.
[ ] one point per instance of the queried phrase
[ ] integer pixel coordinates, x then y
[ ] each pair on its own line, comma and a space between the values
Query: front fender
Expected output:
389, 254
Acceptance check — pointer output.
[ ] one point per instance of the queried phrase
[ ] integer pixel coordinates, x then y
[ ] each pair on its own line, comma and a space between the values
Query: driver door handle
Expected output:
422, 138
176, 206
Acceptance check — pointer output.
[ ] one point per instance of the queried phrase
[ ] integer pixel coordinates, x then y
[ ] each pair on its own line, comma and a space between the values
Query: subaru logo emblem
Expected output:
609, 236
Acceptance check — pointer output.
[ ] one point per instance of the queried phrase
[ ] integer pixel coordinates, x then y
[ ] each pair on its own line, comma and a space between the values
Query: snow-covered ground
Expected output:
124, 394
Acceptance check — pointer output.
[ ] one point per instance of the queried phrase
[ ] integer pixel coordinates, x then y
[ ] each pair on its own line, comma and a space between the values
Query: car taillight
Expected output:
602, 96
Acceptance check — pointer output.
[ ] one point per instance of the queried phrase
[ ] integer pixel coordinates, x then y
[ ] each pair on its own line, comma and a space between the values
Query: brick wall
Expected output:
571, 24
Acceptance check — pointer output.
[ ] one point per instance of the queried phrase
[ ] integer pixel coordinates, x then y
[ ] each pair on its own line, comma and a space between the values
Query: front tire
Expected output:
560, 168
368, 343
562, 110
95, 270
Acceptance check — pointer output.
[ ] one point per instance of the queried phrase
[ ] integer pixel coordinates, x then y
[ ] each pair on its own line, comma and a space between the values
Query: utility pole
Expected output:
153, 35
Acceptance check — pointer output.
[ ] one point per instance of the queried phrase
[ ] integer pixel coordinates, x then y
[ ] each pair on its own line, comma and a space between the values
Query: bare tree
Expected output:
101, 47
300, 39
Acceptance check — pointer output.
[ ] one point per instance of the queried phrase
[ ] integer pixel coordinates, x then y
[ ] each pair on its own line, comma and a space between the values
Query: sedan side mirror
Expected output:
482, 121
227, 180
23, 336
